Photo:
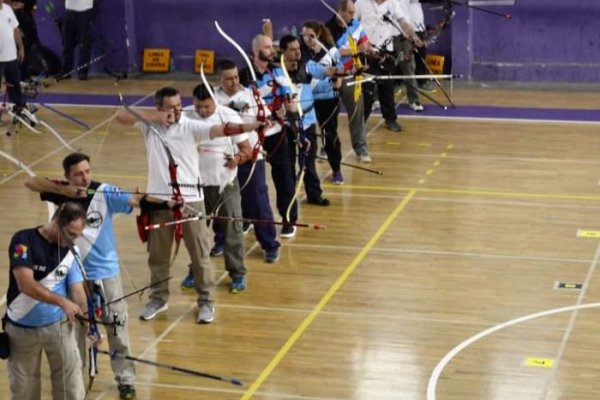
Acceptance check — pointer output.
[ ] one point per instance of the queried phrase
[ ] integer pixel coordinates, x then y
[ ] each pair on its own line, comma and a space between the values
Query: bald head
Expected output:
262, 48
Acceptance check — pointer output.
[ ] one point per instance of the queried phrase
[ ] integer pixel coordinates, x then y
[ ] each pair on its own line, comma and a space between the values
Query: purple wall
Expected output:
547, 40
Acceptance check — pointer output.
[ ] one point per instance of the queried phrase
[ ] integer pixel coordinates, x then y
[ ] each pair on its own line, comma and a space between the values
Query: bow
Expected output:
261, 115
94, 306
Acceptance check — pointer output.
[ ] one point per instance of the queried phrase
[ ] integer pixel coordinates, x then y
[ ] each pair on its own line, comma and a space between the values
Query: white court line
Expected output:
27, 168
170, 328
486, 119
437, 371
571, 324
157, 340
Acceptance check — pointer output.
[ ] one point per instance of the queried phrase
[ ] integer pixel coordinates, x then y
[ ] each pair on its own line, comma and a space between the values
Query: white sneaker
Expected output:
152, 309
288, 231
416, 106
364, 158
206, 315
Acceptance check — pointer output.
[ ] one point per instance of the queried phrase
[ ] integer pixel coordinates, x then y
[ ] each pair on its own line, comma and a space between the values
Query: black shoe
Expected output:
82, 77
126, 392
393, 126
319, 201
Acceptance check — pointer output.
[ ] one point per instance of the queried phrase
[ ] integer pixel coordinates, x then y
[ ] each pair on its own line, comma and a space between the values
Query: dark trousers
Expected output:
256, 205
385, 95
280, 154
312, 183
327, 114
77, 32
10, 71
420, 60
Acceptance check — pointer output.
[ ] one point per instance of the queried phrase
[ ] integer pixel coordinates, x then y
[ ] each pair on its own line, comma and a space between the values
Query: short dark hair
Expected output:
167, 91
201, 92
68, 212
73, 159
225, 65
285, 41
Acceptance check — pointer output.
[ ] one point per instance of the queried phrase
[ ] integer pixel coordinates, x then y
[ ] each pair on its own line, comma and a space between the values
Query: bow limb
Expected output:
210, 92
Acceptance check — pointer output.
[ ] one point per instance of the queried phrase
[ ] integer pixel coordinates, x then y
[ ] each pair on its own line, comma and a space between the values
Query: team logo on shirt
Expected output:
94, 219
21, 251
61, 271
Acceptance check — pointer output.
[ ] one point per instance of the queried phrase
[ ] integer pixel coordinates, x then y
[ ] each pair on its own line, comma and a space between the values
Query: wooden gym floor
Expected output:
436, 280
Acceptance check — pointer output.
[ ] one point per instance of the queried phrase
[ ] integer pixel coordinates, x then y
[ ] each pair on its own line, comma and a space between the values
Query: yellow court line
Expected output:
327, 297
498, 193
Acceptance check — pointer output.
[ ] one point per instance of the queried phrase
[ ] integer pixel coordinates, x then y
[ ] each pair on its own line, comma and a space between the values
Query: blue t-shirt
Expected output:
98, 247
53, 266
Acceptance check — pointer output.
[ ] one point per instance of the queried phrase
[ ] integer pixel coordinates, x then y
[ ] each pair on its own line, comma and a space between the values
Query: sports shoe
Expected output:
322, 154
29, 117
126, 392
152, 309
364, 158
206, 315
247, 227
272, 255
25, 115
393, 126
217, 250
337, 178
188, 283
416, 106
319, 201
288, 231
237, 285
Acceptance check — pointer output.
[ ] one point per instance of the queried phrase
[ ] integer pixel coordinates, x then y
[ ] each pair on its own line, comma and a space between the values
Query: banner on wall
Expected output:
208, 58
156, 60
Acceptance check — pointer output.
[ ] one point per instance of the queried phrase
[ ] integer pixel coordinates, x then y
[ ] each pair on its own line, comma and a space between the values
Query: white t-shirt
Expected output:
416, 15
78, 5
371, 15
182, 139
213, 152
8, 23
244, 100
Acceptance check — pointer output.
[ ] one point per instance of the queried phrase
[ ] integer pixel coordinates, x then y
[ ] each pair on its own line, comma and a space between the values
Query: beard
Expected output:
264, 57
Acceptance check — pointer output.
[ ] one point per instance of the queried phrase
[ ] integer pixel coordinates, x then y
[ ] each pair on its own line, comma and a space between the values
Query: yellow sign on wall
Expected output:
206, 56
156, 60
435, 63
